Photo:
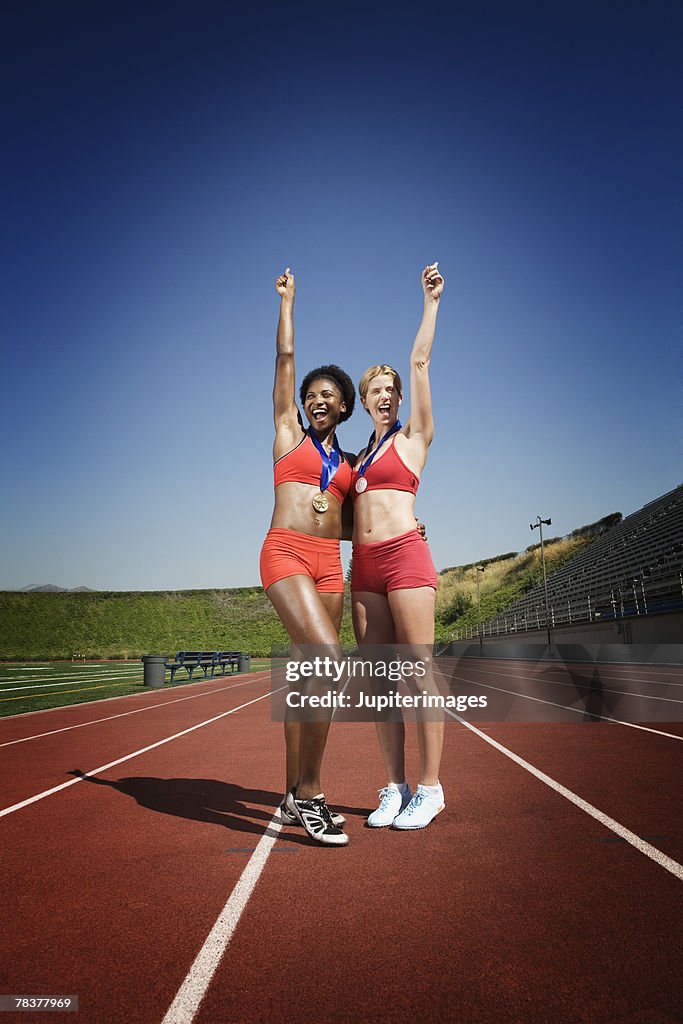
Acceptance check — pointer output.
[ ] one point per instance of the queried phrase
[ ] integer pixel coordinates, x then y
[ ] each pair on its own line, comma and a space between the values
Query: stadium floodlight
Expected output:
479, 568
539, 524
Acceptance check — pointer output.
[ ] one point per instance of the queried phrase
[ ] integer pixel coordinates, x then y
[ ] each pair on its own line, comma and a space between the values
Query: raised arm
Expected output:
421, 421
284, 404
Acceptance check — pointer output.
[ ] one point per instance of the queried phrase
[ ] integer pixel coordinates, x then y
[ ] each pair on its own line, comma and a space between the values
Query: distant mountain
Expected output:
46, 588
51, 588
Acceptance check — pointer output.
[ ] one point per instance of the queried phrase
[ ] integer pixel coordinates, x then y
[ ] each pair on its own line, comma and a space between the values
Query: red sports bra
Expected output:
388, 473
303, 465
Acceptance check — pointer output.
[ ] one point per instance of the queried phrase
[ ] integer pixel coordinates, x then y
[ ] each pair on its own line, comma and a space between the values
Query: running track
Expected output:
158, 887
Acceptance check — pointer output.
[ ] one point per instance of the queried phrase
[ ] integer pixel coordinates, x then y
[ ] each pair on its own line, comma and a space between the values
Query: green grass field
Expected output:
41, 632
36, 686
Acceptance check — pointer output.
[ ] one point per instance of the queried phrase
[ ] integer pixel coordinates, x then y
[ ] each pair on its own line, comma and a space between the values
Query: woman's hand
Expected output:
432, 282
285, 285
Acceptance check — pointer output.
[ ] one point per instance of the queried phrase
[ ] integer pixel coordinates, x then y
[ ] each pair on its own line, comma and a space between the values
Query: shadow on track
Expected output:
219, 803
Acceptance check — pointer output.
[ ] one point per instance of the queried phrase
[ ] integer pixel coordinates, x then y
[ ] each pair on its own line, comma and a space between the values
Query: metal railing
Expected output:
647, 593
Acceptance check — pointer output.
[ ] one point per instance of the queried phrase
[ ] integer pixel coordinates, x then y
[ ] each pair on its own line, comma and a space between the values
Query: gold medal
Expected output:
361, 484
320, 502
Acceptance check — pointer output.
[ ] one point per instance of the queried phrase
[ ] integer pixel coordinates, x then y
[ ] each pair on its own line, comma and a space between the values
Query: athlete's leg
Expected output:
334, 606
373, 625
308, 622
413, 615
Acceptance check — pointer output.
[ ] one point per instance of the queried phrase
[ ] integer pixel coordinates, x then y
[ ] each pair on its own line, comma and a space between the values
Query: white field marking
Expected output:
125, 696
103, 674
193, 989
63, 668
575, 711
95, 666
128, 757
603, 689
21, 668
67, 682
34, 679
124, 714
641, 845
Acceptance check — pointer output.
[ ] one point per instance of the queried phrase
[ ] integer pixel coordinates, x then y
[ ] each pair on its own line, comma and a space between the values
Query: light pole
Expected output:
479, 568
539, 524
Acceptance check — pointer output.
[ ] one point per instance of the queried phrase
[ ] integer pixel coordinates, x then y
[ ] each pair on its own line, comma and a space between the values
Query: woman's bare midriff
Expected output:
380, 515
294, 511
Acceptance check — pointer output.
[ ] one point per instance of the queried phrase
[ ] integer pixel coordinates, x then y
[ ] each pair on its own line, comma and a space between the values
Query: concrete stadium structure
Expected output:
623, 590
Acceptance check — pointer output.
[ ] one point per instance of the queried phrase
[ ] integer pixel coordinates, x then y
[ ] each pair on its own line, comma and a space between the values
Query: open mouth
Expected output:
318, 414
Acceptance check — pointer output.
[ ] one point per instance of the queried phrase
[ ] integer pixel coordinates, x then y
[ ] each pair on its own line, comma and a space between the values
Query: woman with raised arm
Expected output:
393, 579
301, 567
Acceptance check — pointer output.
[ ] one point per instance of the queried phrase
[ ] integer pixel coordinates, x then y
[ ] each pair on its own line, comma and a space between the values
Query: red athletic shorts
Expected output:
401, 563
288, 553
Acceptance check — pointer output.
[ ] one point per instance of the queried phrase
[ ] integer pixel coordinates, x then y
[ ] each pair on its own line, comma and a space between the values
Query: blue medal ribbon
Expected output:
362, 469
330, 462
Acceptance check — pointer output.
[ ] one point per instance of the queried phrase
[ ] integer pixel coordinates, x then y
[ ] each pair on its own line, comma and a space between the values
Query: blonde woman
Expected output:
393, 577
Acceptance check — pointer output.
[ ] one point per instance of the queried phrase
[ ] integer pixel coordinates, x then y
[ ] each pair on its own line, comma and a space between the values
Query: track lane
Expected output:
507, 908
111, 885
47, 721
29, 770
636, 785
539, 690
474, 900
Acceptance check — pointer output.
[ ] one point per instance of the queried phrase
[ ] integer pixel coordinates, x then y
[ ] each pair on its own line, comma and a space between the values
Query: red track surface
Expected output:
515, 905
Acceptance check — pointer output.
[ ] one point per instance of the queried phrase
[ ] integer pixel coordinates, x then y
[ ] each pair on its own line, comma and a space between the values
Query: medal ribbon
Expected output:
362, 469
330, 462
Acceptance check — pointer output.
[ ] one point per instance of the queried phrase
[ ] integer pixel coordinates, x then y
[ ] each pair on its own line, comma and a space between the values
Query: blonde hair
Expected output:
377, 371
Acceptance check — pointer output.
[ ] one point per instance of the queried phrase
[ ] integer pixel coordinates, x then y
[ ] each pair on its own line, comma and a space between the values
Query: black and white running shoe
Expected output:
288, 818
315, 817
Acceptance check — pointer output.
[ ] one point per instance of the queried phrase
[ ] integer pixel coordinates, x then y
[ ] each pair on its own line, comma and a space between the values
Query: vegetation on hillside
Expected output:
503, 581
130, 624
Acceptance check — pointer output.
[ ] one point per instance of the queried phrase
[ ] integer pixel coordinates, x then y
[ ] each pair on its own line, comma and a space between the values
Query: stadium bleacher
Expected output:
635, 568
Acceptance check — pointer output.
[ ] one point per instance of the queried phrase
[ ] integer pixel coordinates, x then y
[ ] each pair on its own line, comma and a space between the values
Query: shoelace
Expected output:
386, 795
323, 810
414, 803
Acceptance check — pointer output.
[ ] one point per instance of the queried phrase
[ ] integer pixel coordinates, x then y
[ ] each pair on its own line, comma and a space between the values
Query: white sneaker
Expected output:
392, 802
422, 809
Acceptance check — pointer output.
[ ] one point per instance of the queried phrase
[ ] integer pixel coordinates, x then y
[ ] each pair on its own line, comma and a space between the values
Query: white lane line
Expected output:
587, 684
641, 845
674, 667
618, 673
569, 667
124, 714
128, 757
576, 711
193, 989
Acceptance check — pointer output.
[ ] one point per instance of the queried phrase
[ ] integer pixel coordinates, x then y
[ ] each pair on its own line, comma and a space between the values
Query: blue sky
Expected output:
165, 161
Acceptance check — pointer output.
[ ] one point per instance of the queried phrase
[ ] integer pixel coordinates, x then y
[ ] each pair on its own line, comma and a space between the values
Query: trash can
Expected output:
155, 670
243, 662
